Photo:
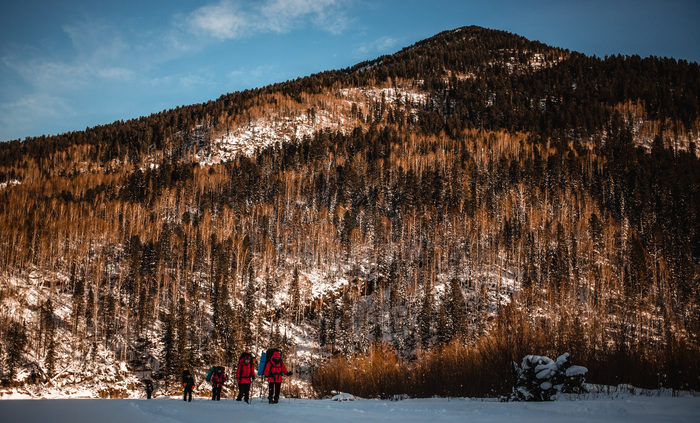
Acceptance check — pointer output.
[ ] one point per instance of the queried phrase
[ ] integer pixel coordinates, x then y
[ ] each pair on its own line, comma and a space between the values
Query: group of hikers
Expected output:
274, 370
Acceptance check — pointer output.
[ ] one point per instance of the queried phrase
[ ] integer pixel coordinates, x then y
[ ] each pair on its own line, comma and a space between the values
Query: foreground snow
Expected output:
633, 408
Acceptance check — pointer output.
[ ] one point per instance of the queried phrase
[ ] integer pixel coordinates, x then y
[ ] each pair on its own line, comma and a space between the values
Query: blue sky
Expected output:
66, 65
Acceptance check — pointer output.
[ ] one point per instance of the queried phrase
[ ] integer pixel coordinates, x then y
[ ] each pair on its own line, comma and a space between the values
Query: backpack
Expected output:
211, 372
265, 357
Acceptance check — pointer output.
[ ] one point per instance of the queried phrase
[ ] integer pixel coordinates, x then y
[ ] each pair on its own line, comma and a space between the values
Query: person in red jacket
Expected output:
217, 382
274, 370
245, 374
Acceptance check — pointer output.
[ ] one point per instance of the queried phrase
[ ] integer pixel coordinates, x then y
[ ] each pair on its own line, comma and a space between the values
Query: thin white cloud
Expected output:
53, 76
229, 19
97, 41
223, 20
252, 76
115, 73
100, 54
21, 116
283, 15
47, 75
382, 45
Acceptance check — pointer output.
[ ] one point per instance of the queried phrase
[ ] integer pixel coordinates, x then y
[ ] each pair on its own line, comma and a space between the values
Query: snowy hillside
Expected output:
339, 112
473, 200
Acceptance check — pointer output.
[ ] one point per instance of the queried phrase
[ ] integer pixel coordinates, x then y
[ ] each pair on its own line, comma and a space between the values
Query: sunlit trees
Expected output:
443, 191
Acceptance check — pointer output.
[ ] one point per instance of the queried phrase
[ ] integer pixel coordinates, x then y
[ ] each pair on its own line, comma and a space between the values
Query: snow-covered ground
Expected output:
632, 408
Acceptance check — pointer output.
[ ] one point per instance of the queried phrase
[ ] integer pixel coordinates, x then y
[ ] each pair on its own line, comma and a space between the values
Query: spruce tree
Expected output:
50, 359
48, 329
425, 317
457, 309
16, 345
322, 329
47, 324
295, 298
346, 332
109, 323
78, 302
248, 313
182, 338
169, 352
444, 331
90, 312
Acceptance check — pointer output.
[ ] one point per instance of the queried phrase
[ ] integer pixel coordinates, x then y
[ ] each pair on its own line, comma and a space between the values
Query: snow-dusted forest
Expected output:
397, 227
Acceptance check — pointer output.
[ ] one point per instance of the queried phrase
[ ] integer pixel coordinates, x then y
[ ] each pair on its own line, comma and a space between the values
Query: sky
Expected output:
71, 64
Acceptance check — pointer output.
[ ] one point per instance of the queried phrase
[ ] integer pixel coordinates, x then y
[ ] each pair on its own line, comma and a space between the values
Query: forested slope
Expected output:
476, 194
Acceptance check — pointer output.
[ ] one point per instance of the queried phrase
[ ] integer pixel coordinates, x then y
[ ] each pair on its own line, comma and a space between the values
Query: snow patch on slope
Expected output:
9, 184
278, 127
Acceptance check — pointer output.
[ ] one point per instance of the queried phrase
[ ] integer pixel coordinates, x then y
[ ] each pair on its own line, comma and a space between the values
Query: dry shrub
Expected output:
484, 369
378, 374
460, 370
480, 369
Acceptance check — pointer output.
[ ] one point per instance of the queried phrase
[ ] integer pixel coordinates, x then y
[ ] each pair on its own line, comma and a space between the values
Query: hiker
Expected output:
245, 374
217, 382
274, 370
187, 385
148, 384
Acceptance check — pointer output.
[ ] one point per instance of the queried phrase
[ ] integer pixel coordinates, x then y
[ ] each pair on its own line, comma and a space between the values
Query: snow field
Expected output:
633, 409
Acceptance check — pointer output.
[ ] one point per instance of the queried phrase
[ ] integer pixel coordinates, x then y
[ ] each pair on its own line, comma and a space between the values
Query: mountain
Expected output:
471, 199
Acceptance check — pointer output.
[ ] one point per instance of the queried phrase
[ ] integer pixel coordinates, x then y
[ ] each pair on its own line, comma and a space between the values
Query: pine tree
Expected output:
295, 298
269, 287
16, 345
90, 312
346, 332
444, 331
456, 309
48, 329
329, 317
142, 355
248, 315
78, 302
231, 331
425, 317
50, 359
47, 323
363, 337
276, 336
109, 323
168, 356
182, 338
322, 329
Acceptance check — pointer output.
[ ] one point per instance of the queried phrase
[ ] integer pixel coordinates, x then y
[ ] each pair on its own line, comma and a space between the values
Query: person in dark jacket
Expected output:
245, 374
148, 384
274, 370
217, 382
187, 385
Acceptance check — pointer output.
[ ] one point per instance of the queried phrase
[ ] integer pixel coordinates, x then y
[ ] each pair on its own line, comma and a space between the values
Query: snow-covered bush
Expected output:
538, 378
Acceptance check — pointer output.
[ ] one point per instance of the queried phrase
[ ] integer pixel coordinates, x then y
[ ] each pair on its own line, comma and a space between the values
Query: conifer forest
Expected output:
471, 199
